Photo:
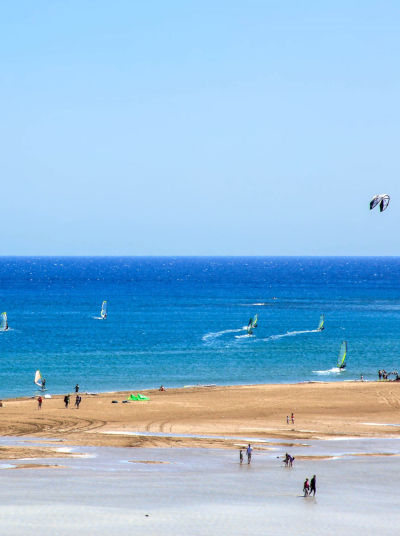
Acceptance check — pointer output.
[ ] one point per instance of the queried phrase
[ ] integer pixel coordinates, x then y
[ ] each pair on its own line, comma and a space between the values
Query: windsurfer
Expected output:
43, 384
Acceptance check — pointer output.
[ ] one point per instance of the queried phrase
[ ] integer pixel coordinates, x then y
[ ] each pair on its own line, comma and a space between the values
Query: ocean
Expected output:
179, 321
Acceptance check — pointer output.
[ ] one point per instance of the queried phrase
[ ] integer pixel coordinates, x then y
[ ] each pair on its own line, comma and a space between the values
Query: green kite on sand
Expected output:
138, 397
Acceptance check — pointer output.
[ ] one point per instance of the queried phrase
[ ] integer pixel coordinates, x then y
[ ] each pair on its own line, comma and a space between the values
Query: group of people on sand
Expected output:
67, 399
249, 450
290, 420
310, 487
78, 400
383, 375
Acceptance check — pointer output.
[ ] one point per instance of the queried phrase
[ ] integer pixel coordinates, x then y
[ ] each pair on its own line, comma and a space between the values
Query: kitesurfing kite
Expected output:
382, 200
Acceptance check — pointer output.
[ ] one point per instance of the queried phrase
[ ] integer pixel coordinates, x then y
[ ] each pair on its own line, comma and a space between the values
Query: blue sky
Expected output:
199, 128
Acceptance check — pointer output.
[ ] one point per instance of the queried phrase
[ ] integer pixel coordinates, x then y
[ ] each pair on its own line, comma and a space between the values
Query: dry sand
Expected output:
322, 410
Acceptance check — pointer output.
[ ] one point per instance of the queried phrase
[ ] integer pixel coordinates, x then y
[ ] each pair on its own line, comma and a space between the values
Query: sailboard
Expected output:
38, 379
341, 364
321, 323
103, 312
4, 322
252, 324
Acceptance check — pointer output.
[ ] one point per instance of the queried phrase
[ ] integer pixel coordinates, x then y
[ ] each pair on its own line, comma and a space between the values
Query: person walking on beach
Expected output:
78, 400
292, 418
66, 401
76, 388
313, 485
241, 456
306, 487
249, 450
39, 402
287, 419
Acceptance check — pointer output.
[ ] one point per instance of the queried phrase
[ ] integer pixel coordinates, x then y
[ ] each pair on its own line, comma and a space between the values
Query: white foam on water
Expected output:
211, 335
291, 334
334, 370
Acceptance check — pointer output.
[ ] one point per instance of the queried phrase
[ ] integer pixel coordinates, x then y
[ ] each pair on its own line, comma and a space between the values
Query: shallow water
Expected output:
205, 491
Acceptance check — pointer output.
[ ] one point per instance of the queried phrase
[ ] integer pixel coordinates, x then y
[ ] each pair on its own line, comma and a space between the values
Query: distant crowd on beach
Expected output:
67, 399
383, 375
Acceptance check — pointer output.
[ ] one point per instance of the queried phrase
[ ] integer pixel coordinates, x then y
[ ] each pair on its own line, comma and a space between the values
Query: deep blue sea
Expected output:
178, 321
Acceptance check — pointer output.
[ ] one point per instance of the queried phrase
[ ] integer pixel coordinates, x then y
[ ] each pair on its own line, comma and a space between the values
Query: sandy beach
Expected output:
219, 414
75, 467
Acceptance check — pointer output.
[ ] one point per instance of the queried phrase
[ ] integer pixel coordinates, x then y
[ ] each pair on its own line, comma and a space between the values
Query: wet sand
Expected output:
207, 492
220, 414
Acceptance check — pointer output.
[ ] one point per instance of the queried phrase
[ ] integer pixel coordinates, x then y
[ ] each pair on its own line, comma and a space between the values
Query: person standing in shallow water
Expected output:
249, 450
306, 488
313, 485
241, 456
76, 388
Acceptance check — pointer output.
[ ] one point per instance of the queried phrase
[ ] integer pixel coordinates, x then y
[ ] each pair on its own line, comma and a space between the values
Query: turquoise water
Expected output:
178, 321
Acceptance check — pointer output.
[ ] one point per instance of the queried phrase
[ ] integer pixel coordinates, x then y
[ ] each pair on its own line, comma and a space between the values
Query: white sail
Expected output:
103, 312
38, 378
4, 322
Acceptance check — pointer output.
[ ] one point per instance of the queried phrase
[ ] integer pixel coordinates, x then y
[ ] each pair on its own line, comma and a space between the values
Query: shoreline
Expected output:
212, 416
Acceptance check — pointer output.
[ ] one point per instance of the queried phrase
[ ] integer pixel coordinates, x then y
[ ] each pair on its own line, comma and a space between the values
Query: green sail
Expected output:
321, 323
342, 355
255, 322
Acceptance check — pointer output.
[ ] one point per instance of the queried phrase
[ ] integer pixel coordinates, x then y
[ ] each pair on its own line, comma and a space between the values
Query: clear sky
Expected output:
199, 127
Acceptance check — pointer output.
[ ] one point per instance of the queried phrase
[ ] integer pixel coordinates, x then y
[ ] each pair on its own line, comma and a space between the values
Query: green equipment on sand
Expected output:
138, 397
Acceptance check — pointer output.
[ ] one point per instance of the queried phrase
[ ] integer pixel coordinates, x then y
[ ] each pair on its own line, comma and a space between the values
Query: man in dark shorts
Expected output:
313, 485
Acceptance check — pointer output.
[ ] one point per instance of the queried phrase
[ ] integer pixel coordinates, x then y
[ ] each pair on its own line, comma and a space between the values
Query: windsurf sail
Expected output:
249, 326
103, 312
341, 364
4, 322
321, 323
38, 379
255, 322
